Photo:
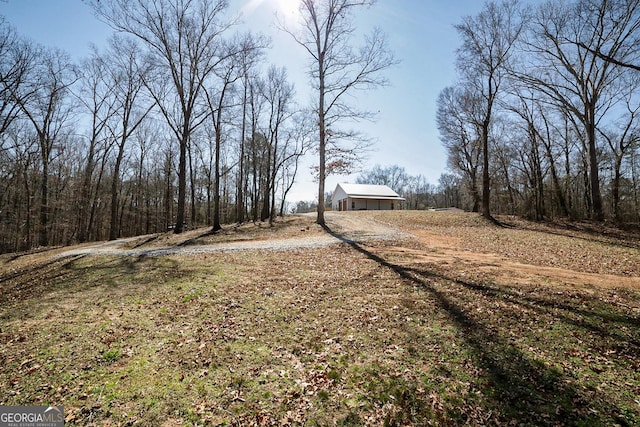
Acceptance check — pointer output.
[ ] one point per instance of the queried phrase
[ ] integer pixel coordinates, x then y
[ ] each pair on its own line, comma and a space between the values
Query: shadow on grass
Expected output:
196, 240
34, 281
614, 236
604, 323
519, 390
146, 241
249, 230
67, 274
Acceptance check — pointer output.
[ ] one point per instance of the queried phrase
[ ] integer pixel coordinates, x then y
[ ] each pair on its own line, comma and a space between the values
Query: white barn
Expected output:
357, 197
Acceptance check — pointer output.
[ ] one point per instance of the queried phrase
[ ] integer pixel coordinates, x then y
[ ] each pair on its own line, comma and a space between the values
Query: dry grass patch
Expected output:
579, 246
239, 336
282, 228
353, 334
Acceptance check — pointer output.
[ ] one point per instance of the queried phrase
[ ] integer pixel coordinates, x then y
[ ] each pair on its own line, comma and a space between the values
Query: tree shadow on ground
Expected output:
68, 275
616, 236
520, 390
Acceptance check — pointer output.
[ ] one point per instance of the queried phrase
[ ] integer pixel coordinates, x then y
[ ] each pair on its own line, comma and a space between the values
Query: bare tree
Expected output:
620, 17
126, 73
255, 146
238, 54
622, 138
449, 189
43, 100
487, 41
337, 69
96, 97
218, 103
564, 42
18, 177
248, 60
547, 136
183, 38
278, 94
460, 133
296, 143
529, 112
16, 153
15, 57
393, 176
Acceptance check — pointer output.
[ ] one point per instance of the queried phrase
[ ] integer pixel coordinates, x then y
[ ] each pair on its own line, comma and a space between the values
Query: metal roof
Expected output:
356, 196
369, 191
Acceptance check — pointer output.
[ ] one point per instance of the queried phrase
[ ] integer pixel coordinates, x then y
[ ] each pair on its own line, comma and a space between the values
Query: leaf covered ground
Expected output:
466, 323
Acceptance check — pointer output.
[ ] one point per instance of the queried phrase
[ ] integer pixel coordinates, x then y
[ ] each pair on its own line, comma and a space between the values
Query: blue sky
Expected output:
420, 33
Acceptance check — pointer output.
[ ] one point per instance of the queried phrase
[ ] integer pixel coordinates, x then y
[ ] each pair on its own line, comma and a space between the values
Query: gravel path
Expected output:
343, 227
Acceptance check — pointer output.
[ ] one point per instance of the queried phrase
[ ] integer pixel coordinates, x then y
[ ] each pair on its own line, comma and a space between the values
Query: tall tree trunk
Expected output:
266, 190
255, 194
615, 189
114, 228
168, 194
594, 178
192, 182
486, 185
539, 181
322, 142
240, 183
216, 190
587, 185
140, 196
84, 202
255, 170
274, 174
475, 194
272, 212
182, 180
43, 238
216, 176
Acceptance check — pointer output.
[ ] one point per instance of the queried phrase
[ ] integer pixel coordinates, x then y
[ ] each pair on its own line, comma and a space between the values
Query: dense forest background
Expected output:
95, 150
542, 122
544, 119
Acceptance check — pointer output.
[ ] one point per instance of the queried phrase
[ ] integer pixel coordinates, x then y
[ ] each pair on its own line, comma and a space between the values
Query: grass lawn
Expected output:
383, 333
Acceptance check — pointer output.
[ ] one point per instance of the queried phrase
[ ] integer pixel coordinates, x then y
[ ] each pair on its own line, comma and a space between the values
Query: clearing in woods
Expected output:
382, 318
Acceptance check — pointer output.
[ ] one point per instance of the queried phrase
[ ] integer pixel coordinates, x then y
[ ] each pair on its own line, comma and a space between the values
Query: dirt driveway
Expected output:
457, 243
341, 226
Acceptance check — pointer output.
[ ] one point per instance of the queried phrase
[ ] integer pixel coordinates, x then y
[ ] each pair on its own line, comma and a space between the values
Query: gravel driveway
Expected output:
341, 227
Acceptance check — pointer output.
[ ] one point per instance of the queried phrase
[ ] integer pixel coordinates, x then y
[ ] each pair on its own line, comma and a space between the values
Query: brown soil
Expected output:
448, 252
520, 251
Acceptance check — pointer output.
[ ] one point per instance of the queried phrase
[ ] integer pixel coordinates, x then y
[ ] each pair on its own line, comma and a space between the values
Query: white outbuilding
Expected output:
358, 197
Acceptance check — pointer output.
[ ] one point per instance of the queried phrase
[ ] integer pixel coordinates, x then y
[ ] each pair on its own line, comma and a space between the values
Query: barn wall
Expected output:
337, 198
372, 204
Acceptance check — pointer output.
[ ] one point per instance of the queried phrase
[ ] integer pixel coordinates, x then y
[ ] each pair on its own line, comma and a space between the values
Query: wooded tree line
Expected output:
177, 121
416, 189
543, 121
